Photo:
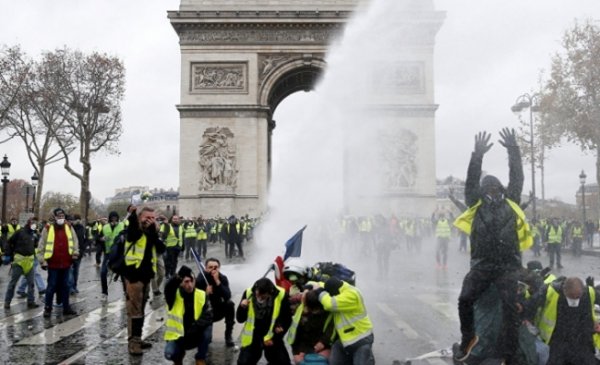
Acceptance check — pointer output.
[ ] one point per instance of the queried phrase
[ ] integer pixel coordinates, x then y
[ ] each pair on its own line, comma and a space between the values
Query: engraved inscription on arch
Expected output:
219, 77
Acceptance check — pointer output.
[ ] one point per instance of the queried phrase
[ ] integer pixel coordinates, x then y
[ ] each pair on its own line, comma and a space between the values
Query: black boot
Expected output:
228, 338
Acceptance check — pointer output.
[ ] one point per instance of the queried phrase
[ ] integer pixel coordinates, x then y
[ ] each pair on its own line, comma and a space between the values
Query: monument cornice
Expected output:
403, 110
223, 111
216, 195
261, 15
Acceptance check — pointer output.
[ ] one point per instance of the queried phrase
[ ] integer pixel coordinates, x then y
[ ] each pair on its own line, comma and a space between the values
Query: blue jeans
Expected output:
175, 350
58, 279
359, 353
39, 280
15, 273
74, 276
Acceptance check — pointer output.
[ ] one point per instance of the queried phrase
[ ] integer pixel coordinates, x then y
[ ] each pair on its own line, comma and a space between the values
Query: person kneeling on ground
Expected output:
265, 312
189, 318
312, 330
219, 296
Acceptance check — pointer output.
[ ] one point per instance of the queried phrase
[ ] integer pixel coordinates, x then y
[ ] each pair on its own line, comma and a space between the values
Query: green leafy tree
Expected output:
571, 100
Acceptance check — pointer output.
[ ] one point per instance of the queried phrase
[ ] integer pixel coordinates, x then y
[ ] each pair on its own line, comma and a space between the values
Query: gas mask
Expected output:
573, 302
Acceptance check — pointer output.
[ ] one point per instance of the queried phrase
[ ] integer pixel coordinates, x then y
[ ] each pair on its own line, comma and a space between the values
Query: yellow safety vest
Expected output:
12, 230
202, 234
248, 329
465, 221
577, 232
172, 240
174, 325
291, 333
135, 255
547, 321
442, 229
352, 323
49, 249
190, 231
26, 262
555, 235
110, 234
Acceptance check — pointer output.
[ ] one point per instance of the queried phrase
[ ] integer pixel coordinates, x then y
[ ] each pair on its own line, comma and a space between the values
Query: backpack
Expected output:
324, 270
116, 256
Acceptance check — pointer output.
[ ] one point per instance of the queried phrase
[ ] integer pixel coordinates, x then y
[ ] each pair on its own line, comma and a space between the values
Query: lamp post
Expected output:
527, 101
582, 177
34, 182
5, 167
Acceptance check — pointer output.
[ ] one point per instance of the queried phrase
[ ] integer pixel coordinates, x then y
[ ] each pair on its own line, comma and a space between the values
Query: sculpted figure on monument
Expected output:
217, 160
398, 153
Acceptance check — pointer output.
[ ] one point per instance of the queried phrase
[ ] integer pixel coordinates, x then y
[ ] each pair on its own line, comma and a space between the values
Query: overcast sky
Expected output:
487, 53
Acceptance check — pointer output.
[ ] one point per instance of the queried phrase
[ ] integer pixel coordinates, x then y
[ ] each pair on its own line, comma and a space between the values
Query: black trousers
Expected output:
227, 311
276, 354
171, 256
475, 283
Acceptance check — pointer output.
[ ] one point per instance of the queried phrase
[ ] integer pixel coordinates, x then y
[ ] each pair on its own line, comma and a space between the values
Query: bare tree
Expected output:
35, 114
91, 89
13, 73
571, 101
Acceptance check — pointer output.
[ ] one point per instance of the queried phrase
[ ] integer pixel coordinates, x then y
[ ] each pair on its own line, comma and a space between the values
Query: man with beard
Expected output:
499, 232
141, 251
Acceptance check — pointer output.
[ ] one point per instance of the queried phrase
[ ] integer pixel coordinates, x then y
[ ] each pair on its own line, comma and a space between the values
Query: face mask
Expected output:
60, 221
261, 301
573, 302
33, 226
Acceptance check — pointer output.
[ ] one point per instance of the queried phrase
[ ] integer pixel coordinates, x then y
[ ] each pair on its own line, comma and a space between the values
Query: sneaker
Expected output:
465, 348
146, 345
32, 305
21, 294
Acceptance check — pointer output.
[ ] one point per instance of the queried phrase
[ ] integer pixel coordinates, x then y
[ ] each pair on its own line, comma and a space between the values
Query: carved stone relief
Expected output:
267, 35
218, 160
219, 77
398, 153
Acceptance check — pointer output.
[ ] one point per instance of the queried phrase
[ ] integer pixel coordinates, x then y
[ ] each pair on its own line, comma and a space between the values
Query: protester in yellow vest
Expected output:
442, 234
172, 234
186, 329
141, 251
568, 321
499, 232
189, 238
354, 329
554, 240
20, 249
110, 231
202, 237
265, 311
12, 227
57, 248
577, 237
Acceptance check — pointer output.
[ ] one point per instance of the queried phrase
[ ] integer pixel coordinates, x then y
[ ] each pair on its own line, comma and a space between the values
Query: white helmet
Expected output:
295, 265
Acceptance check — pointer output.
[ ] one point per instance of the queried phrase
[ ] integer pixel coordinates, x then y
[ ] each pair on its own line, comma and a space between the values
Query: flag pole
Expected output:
199, 264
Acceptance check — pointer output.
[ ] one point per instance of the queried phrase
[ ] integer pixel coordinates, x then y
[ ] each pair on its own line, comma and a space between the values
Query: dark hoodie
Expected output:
494, 240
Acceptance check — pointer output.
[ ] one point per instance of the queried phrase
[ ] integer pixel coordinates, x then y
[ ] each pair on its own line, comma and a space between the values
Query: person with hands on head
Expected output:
499, 232
265, 311
189, 318
219, 295
141, 251
57, 248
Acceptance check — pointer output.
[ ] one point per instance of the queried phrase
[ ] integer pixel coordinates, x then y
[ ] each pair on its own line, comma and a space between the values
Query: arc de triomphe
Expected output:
241, 58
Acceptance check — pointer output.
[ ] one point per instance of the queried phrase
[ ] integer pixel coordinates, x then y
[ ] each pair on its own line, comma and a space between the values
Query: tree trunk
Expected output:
597, 213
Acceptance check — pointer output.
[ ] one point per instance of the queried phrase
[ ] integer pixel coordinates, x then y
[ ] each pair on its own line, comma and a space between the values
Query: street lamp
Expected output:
34, 182
530, 102
5, 168
582, 177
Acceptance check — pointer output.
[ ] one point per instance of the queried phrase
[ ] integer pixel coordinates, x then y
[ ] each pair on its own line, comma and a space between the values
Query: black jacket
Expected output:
494, 240
22, 242
261, 325
221, 293
145, 272
192, 327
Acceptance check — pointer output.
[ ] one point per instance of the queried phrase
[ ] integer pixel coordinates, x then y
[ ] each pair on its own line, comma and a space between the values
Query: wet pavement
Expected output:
414, 312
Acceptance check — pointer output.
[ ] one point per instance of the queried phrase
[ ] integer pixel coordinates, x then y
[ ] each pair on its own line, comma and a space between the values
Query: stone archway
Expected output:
239, 60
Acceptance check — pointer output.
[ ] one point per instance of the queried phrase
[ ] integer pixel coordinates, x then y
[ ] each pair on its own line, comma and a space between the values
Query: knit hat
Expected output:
58, 211
113, 214
185, 271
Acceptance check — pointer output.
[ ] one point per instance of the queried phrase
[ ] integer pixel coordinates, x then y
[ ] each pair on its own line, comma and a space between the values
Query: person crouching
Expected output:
189, 318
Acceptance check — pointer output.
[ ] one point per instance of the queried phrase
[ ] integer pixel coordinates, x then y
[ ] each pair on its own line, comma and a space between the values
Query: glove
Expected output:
589, 281
482, 143
6, 260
